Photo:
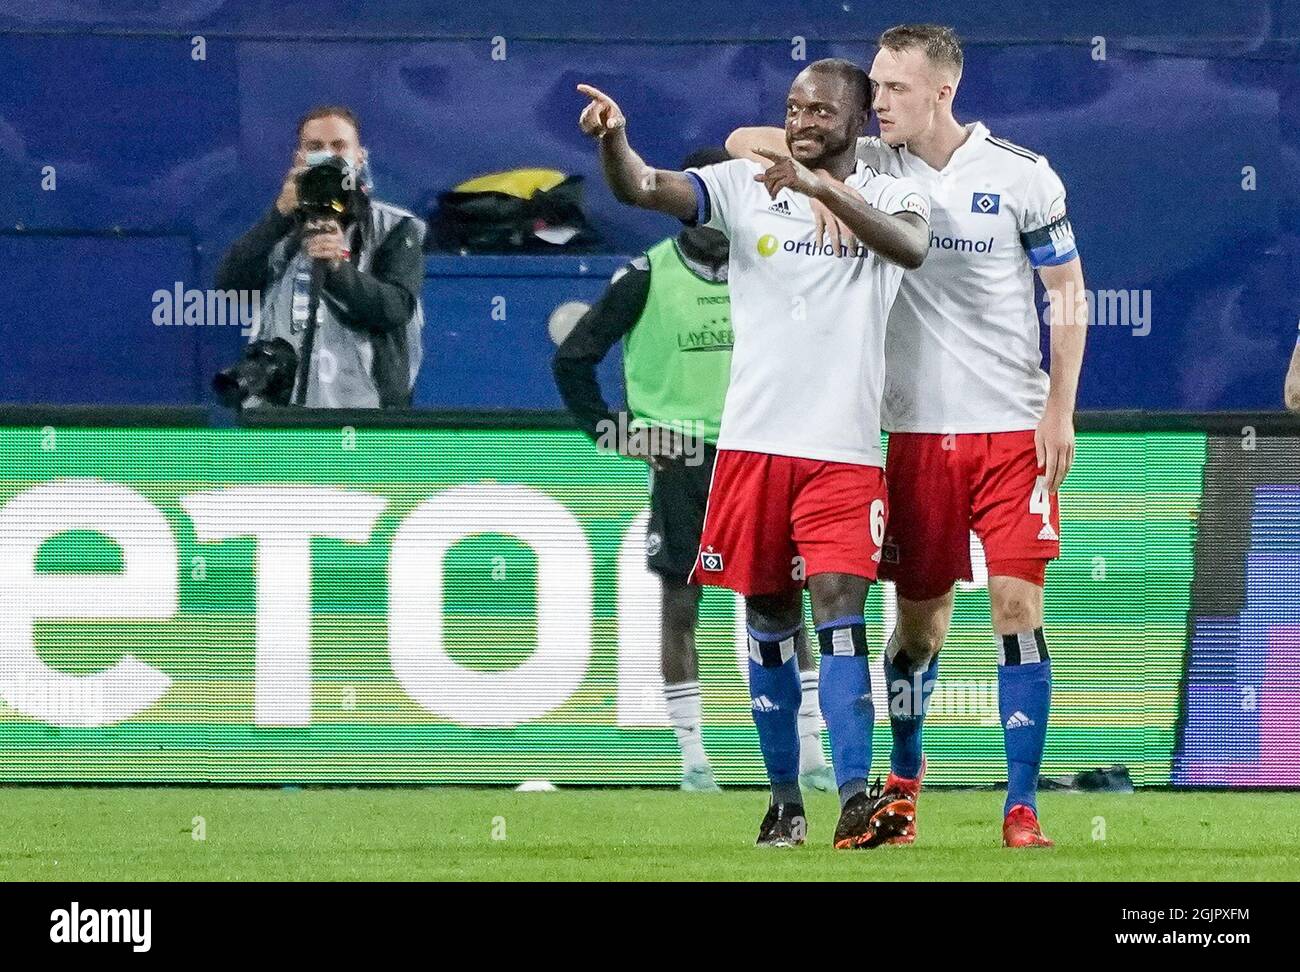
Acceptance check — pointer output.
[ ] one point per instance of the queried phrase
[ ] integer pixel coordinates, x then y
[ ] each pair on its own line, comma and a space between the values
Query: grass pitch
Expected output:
439, 834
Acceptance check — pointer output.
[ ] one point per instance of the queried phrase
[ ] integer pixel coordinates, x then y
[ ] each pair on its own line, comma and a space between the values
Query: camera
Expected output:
328, 190
267, 369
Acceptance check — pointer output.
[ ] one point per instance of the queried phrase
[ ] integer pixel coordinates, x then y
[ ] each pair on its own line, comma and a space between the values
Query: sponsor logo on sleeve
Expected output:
913, 202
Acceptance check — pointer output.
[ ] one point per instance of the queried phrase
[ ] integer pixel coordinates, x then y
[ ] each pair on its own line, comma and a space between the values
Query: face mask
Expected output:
364, 179
323, 155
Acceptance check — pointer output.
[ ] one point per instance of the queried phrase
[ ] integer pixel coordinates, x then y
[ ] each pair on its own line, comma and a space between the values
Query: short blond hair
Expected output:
939, 44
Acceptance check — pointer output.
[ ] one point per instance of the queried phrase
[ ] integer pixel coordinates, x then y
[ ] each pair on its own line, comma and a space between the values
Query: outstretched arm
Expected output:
901, 238
632, 181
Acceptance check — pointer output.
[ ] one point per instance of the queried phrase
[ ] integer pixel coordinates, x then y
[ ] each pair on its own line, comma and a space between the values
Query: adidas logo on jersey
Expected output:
1019, 720
764, 704
781, 207
1047, 533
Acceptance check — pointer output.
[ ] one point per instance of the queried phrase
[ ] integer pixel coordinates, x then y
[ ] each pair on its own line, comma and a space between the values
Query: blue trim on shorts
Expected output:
848, 621
771, 636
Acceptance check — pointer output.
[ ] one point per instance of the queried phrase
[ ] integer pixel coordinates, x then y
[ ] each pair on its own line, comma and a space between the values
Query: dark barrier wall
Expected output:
1241, 722
1176, 131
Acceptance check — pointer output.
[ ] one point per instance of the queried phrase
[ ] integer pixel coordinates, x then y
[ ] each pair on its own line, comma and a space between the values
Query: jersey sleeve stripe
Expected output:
1024, 153
703, 203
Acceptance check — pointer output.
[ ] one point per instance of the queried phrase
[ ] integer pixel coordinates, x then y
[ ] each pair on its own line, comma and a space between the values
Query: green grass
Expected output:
89, 834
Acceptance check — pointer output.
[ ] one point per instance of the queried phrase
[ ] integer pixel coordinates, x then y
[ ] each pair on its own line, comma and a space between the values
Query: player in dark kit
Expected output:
798, 493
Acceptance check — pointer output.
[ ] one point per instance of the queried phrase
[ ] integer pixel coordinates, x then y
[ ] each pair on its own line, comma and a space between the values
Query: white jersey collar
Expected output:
861, 174
978, 132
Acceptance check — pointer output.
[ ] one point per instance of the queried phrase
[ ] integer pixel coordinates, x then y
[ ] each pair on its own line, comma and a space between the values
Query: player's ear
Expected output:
946, 92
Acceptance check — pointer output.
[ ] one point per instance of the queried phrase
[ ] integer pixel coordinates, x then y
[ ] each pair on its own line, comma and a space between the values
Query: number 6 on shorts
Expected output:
878, 522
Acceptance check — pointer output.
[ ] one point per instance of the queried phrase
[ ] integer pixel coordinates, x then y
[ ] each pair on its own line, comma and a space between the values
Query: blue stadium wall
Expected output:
1181, 151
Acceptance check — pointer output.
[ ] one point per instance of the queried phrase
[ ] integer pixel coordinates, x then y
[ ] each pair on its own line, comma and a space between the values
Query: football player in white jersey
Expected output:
980, 436
798, 490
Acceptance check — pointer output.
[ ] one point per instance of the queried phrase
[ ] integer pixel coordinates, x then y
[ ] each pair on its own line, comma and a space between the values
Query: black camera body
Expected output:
267, 369
328, 190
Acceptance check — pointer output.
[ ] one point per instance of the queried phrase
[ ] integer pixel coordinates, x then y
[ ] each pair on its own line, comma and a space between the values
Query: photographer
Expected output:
326, 246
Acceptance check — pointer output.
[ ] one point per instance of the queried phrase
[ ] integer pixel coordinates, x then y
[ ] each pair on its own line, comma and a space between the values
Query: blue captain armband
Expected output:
1052, 245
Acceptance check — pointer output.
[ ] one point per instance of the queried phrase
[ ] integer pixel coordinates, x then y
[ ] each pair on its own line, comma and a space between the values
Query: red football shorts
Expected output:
773, 521
941, 487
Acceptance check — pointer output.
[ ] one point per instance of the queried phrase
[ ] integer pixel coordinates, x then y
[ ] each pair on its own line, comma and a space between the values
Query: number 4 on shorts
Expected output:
1040, 501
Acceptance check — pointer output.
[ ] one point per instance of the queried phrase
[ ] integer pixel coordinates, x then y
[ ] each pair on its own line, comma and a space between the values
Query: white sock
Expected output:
810, 725
684, 713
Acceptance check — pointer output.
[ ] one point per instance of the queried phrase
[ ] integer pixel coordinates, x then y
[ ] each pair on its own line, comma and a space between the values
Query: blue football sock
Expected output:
775, 693
1024, 698
909, 700
845, 696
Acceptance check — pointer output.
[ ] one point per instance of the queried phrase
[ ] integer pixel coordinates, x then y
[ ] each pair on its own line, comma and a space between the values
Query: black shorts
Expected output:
678, 496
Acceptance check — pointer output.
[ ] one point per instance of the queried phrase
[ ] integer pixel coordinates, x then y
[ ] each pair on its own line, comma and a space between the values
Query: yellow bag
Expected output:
523, 183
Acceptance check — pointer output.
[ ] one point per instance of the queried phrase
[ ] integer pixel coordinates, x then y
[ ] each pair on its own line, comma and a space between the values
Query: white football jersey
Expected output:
807, 367
962, 352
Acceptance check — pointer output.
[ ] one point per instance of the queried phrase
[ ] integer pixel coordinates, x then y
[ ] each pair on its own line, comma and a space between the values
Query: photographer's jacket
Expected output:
368, 342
